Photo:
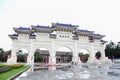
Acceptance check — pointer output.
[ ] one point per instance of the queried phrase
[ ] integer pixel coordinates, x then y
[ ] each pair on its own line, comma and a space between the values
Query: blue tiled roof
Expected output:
39, 26
13, 35
66, 25
103, 41
23, 28
98, 35
32, 35
52, 34
84, 31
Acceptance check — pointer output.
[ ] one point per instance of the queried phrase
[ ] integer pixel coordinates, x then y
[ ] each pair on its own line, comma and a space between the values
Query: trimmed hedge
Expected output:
2, 65
9, 74
5, 69
16, 66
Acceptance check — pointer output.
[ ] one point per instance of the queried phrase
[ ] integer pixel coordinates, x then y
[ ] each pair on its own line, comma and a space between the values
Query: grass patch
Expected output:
6, 75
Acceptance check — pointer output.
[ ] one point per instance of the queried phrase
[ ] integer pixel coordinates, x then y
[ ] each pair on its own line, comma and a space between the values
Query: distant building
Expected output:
54, 37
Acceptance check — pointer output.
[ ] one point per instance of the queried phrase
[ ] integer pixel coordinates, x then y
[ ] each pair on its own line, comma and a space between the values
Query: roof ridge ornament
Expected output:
63, 24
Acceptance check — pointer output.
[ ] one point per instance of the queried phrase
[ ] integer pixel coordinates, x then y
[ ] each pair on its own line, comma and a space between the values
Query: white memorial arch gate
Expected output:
54, 37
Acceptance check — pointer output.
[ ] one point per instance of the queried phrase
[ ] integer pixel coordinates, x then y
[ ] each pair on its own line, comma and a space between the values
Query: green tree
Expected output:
117, 51
84, 57
38, 57
98, 55
110, 49
2, 55
21, 58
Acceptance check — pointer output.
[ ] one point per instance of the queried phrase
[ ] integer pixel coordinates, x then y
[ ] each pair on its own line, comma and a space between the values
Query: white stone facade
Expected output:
66, 35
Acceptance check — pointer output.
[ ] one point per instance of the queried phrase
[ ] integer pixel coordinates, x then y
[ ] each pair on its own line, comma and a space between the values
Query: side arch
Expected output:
21, 54
84, 54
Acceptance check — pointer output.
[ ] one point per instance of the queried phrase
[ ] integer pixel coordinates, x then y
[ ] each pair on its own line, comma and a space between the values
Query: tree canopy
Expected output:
112, 50
4, 55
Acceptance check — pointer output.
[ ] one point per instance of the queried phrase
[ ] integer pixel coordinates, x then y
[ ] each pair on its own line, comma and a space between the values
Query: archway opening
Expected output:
22, 55
84, 55
63, 55
41, 55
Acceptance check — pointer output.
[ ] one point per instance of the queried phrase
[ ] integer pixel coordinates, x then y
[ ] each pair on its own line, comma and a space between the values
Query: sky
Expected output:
101, 16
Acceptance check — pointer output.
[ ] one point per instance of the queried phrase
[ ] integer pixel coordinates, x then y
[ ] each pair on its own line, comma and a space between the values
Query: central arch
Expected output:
63, 54
41, 55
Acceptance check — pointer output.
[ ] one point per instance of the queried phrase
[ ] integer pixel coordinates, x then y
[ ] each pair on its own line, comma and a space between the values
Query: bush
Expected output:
98, 55
17, 66
2, 65
84, 57
5, 69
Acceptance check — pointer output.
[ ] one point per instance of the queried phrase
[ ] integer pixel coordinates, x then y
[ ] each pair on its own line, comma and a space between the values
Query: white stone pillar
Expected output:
52, 58
91, 56
76, 53
103, 58
30, 58
103, 52
13, 58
